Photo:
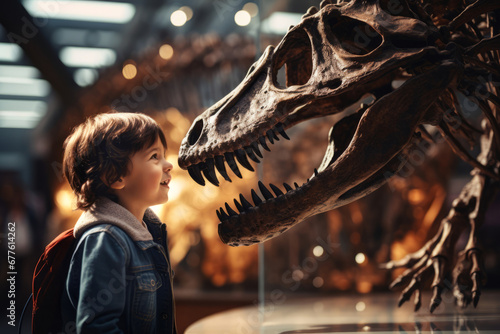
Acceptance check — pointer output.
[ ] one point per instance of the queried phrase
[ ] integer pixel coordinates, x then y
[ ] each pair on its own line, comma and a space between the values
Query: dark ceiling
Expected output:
51, 49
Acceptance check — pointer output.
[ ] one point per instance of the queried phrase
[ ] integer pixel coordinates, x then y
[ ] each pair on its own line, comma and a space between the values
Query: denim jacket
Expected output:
120, 279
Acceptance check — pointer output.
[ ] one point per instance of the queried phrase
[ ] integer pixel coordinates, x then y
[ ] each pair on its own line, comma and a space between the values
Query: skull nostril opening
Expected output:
195, 132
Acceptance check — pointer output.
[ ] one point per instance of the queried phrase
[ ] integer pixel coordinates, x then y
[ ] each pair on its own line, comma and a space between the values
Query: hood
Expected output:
105, 211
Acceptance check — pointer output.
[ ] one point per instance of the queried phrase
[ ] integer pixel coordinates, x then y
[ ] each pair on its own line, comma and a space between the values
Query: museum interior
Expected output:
62, 61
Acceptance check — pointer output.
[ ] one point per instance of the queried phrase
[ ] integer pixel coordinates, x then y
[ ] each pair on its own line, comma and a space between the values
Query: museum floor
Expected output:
375, 313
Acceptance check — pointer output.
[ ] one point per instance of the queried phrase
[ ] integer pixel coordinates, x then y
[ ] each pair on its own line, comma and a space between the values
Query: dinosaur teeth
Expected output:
232, 164
195, 173
262, 141
256, 199
249, 151
223, 215
296, 185
255, 147
287, 187
265, 192
316, 172
242, 159
276, 190
219, 163
246, 204
209, 172
240, 207
279, 127
230, 211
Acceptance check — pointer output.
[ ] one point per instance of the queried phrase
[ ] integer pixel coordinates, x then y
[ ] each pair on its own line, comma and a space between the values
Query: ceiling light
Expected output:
24, 87
87, 57
21, 113
279, 22
85, 76
242, 18
19, 71
94, 11
10, 52
19, 119
178, 18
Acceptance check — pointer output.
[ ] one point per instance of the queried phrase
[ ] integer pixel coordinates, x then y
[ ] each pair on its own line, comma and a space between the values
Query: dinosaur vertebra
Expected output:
334, 57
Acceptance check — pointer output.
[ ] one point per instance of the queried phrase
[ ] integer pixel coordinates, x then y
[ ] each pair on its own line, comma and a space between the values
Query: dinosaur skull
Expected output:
332, 58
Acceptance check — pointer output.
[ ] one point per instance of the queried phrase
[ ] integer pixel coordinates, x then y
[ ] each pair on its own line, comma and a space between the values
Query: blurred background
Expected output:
63, 61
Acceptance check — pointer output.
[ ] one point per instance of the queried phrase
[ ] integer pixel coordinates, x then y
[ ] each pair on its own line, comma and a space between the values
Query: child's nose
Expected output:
167, 166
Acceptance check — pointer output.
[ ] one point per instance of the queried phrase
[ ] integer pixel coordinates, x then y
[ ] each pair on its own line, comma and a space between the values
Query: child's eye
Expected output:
154, 156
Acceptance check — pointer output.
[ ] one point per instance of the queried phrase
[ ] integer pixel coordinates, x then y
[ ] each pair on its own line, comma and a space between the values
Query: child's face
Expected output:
148, 178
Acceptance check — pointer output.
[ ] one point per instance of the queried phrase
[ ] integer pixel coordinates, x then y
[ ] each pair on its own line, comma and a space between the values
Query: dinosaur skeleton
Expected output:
441, 50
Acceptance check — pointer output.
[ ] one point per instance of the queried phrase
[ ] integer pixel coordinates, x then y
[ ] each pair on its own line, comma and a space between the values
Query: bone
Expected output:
462, 152
418, 300
232, 164
324, 3
474, 10
436, 297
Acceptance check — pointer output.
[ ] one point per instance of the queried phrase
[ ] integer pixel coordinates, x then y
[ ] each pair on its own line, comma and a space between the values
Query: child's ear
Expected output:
118, 184
115, 185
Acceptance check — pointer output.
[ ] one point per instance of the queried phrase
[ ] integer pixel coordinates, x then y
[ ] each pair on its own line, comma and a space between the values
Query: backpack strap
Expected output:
22, 314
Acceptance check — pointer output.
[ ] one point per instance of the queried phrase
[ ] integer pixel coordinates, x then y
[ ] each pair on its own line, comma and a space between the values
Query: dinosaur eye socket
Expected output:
292, 62
354, 36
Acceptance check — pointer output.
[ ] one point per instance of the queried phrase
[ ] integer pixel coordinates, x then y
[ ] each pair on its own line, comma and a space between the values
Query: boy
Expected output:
120, 279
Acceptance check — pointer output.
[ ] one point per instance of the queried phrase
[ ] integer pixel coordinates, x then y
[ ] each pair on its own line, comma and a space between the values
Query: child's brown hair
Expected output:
97, 152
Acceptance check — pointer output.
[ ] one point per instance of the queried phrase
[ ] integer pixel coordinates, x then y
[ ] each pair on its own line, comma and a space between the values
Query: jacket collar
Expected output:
106, 211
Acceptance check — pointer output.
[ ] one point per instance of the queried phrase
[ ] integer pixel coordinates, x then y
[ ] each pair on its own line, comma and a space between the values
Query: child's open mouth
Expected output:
165, 183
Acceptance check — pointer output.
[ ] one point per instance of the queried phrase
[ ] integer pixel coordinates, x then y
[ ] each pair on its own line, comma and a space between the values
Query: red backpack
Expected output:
49, 280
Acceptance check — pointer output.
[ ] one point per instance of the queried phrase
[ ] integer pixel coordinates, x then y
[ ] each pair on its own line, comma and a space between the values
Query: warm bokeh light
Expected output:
360, 258
188, 11
242, 18
318, 282
251, 8
166, 51
178, 18
318, 251
129, 71
65, 200
416, 196
360, 306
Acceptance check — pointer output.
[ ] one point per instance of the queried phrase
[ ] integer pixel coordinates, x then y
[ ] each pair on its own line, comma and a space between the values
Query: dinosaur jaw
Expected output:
367, 157
281, 211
